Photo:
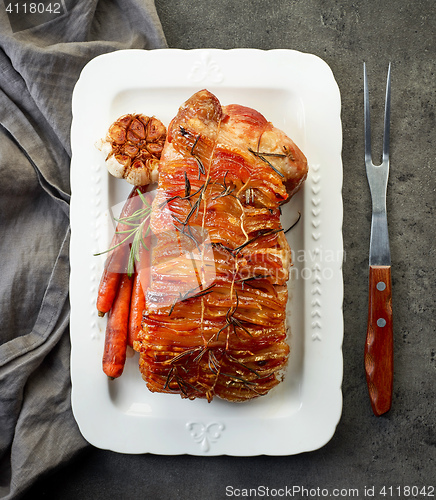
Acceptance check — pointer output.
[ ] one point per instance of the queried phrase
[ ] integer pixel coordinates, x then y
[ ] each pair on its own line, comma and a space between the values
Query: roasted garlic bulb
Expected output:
133, 146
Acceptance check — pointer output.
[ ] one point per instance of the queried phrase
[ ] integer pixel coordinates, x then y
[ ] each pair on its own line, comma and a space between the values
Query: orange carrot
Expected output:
116, 261
137, 305
115, 344
141, 283
106, 293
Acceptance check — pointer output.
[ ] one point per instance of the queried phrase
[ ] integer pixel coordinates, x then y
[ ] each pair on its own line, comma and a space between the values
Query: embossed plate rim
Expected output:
112, 415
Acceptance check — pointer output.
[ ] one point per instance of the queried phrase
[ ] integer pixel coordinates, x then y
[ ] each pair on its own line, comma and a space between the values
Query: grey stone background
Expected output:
394, 450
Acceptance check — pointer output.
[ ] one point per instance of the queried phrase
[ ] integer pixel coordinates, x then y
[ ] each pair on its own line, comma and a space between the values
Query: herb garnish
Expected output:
231, 321
227, 190
262, 156
192, 294
137, 221
295, 223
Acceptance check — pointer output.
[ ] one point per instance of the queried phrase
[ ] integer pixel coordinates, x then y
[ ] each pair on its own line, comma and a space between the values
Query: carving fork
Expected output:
379, 339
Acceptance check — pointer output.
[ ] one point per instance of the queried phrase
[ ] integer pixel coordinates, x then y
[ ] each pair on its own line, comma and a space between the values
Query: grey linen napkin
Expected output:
39, 67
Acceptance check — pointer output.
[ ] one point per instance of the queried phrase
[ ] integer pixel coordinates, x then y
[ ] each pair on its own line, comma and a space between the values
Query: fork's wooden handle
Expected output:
379, 340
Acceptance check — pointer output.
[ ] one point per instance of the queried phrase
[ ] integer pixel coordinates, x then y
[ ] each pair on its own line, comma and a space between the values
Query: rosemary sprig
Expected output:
138, 241
172, 374
262, 156
215, 357
213, 363
185, 354
231, 321
136, 221
288, 153
192, 294
185, 133
215, 367
271, 155
252, 370
182, 384
196, 206
187, 232
295, 223
227, 190
181, 197
236, 250
239, 379
201, 169
168, 380
214, 244
195, 143
187, 186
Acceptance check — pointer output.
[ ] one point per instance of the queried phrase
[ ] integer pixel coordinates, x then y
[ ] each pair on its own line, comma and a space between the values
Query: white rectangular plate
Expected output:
298, 93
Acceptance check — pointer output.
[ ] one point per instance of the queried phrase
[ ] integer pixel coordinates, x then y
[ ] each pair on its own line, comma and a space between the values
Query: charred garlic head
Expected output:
133, 147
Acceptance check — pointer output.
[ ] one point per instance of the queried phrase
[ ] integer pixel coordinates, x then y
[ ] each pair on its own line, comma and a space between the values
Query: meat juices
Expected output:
215, 316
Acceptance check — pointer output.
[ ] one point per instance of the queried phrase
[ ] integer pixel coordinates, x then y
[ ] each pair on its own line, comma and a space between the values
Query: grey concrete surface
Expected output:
395, 450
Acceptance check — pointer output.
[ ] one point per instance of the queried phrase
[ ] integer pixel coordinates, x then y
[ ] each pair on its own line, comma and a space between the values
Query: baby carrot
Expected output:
114, 355
116, 261
141, 283
106, 293
137, 305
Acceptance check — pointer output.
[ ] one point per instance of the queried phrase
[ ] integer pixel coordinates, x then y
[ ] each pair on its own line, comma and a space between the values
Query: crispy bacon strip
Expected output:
215, 316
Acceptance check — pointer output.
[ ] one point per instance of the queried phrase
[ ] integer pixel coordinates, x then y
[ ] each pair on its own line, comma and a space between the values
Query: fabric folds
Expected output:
38, 70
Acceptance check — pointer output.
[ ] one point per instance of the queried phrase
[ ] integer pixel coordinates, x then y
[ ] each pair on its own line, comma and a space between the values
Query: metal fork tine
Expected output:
367, 120
387, 118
